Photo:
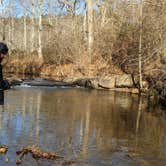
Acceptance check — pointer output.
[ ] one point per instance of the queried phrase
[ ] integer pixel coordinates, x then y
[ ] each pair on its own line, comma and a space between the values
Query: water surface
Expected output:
89, 127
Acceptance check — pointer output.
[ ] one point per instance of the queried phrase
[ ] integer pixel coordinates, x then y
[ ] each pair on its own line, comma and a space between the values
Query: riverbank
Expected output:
31, 65
98, 75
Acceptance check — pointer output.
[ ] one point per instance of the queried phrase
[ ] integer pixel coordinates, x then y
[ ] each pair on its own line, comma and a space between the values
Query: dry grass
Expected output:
80, 69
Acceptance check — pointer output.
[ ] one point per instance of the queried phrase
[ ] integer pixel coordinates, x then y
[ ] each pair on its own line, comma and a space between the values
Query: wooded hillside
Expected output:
101, 34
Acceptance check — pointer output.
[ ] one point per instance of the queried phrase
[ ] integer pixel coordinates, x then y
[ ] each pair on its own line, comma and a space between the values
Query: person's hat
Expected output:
3, 48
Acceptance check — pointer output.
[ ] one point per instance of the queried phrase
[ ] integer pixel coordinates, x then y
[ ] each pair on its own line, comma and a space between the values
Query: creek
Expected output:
87, 127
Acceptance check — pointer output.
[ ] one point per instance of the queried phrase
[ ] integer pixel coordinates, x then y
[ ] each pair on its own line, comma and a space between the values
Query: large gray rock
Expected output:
70, 79
81, 82
87, 83
92, 83
124, 81
107, 83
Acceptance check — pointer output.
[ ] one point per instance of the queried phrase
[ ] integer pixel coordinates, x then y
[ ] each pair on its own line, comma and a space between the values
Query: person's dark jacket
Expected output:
4, 84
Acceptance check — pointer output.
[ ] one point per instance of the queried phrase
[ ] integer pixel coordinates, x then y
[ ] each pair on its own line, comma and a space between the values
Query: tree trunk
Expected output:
50, 3
140, 48
33, 26
12, 32
10, 26
9, 33
25, 33
104, 11
85, 26
3, 30
90, 28
40, 30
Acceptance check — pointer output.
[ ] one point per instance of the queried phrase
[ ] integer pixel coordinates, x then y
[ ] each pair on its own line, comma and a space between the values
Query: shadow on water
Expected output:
88, 126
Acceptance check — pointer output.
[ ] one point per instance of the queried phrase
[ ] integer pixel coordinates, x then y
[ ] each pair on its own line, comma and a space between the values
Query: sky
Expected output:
19, 8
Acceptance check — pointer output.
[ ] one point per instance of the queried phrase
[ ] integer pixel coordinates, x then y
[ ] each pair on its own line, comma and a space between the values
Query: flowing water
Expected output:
86, 127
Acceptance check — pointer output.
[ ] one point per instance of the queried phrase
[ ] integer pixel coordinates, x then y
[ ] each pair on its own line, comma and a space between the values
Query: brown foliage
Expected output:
116, 40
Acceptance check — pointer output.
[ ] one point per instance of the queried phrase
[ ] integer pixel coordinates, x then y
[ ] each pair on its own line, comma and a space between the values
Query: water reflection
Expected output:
83, 124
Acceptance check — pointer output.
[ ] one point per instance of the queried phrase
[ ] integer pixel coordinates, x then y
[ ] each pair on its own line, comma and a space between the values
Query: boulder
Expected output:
107, 83
124, 81
92, 83
81, 82
15, 81
70, 79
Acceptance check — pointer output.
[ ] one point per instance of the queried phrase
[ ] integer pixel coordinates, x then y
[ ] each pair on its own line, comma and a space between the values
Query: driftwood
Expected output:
36, 154
3, 149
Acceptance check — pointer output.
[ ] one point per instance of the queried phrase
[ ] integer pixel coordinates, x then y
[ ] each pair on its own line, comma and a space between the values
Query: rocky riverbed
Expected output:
123, 83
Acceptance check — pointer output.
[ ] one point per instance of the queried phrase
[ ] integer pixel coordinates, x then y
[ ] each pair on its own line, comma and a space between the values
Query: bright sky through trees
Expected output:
18, 7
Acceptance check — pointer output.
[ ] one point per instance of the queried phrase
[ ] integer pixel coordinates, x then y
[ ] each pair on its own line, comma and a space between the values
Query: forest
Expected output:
82, 82
86, 38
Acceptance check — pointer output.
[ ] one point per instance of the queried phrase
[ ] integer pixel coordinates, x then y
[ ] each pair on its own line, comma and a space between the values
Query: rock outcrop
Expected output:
112, 82
123, 83
115, 81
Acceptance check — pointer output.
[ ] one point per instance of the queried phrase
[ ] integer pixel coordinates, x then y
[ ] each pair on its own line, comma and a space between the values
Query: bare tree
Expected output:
90, 28
140, 47
32, 37
50, 11
40, 30
128, 33
85, 24
12, 28
25, 30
